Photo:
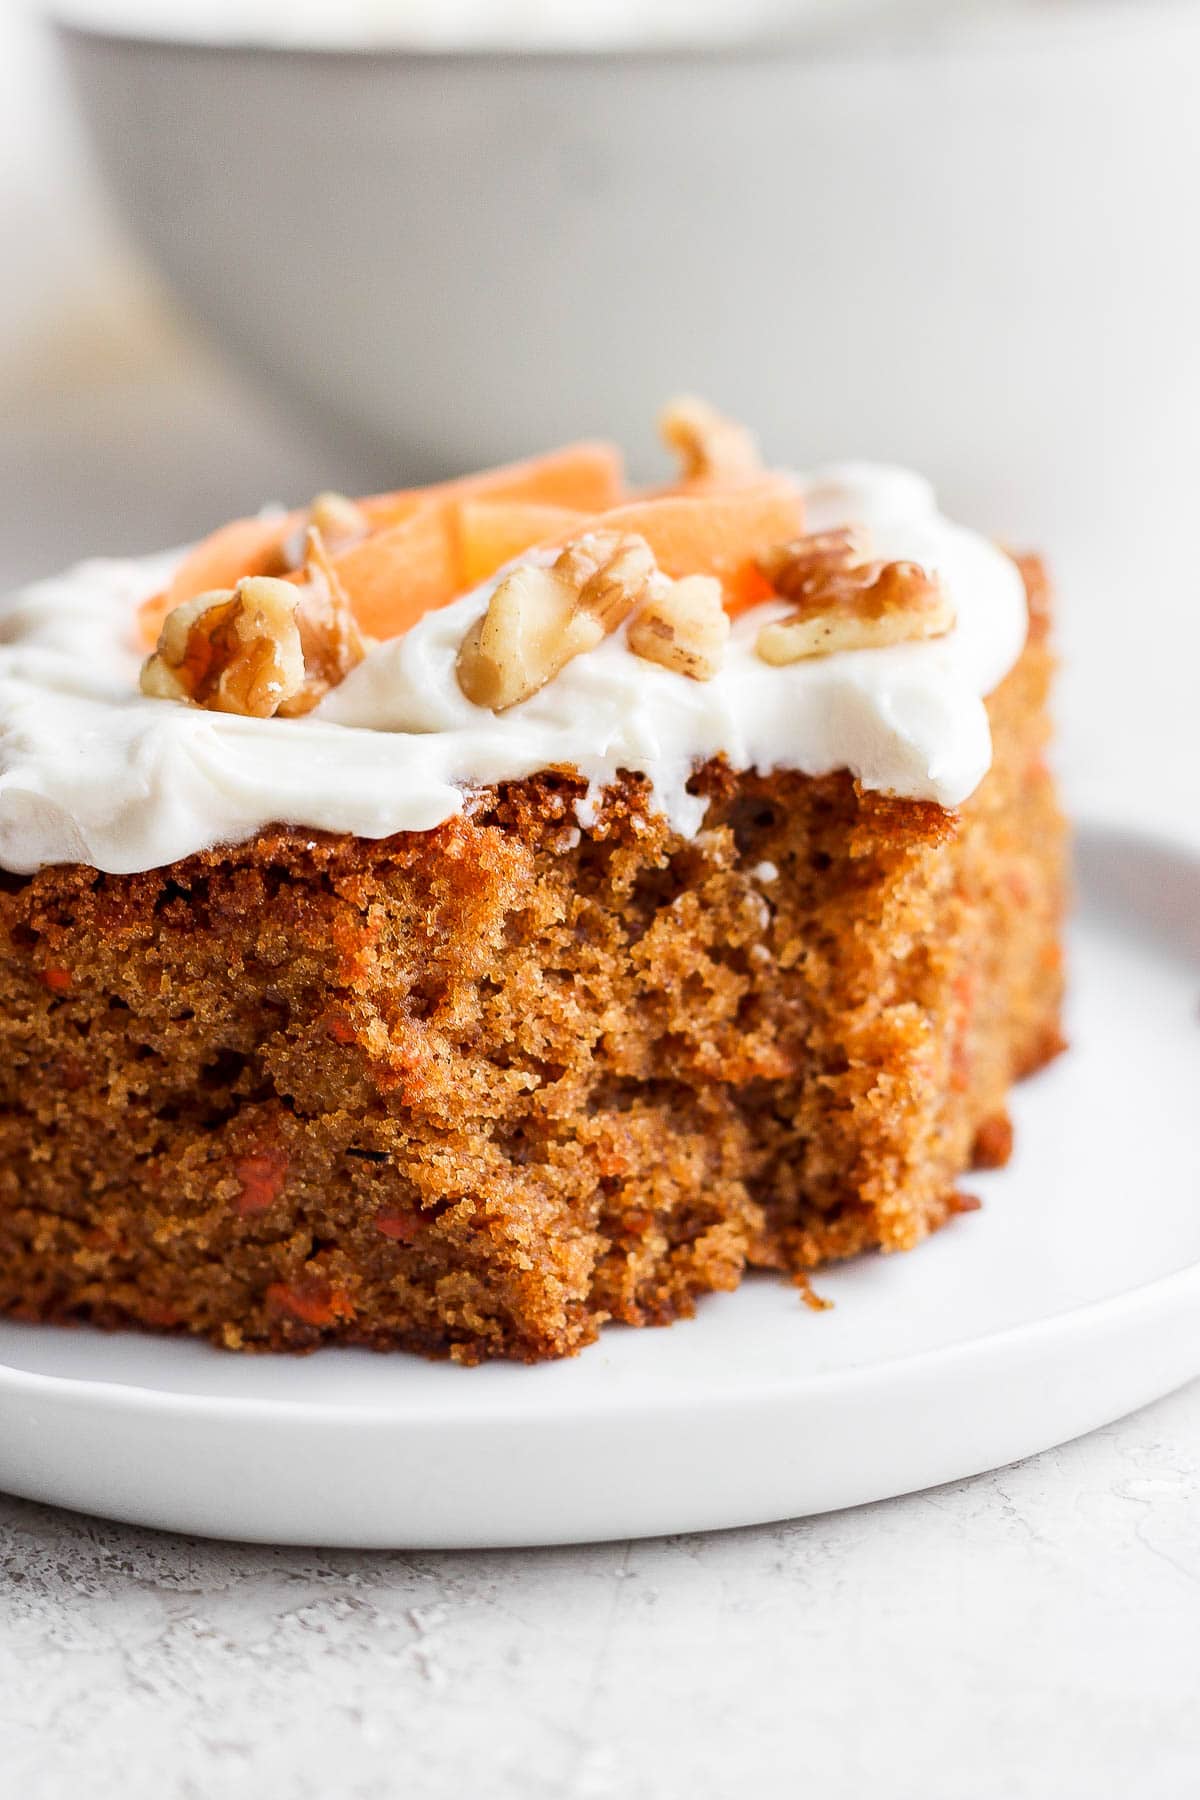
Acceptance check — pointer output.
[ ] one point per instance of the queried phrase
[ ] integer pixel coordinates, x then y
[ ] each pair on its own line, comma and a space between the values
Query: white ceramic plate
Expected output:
1072, 1298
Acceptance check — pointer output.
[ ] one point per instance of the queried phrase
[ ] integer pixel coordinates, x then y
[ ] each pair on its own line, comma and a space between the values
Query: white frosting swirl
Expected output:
91, 771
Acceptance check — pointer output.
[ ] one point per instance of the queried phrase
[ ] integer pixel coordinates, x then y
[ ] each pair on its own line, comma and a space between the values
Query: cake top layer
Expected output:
827, 621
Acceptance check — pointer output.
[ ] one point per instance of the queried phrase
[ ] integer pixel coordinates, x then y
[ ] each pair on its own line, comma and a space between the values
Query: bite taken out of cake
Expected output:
455, 918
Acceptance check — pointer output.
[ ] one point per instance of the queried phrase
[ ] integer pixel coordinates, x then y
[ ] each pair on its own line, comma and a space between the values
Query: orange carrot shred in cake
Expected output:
482, 911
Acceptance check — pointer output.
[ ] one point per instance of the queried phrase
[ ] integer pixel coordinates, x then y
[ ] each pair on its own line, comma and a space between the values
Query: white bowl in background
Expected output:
971, 251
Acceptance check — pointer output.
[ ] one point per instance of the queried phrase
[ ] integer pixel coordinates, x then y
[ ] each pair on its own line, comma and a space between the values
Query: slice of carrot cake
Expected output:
475, 913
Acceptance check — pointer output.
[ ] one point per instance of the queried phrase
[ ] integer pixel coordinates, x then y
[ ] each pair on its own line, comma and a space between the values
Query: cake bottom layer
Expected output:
478, 1090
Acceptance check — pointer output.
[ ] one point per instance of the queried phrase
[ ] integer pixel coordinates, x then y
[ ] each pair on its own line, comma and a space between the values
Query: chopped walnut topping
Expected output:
233, 650
266, 647
709, 446
809, 561
612, 571
685, 627
330, 640
340, 520
539, 619
843, 600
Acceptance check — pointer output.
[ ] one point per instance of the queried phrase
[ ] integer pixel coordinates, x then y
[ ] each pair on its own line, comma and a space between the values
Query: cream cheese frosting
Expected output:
92, 771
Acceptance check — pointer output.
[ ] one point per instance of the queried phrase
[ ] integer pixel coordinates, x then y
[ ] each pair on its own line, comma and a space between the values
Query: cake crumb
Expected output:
810, 1298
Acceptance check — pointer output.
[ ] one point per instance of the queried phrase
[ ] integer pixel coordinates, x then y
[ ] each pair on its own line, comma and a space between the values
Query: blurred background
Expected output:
253, 248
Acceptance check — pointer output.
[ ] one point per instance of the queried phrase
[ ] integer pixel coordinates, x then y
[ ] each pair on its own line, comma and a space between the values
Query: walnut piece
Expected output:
684, 627
234, 650
539, 619
843, 600
809, 561
330, 640
710, 447
265, 647
340, 520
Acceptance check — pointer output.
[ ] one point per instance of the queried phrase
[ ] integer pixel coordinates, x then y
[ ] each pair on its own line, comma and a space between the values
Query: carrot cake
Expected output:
456, 918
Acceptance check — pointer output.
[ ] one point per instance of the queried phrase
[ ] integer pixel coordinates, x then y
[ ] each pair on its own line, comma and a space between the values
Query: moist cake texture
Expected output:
476, 1090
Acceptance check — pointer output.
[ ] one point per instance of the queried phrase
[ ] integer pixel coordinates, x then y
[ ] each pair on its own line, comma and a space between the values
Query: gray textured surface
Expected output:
1033, 1633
